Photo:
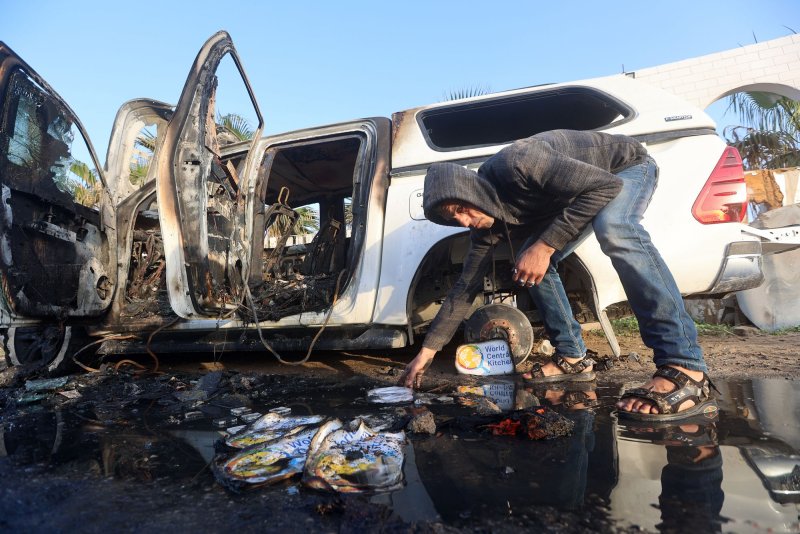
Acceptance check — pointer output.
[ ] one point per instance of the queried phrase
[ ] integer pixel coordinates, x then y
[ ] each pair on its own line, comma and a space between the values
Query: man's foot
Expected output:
551, 369
561, 369
659, 385
673, 392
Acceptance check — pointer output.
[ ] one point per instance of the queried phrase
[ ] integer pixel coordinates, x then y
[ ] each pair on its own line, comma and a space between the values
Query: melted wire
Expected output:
113, 337
264, 342
150, 339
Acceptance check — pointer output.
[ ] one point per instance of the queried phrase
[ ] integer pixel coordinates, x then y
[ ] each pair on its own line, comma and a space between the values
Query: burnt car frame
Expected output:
184, 240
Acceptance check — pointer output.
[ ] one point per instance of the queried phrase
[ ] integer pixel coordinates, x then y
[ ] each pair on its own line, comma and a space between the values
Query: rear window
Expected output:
504, 120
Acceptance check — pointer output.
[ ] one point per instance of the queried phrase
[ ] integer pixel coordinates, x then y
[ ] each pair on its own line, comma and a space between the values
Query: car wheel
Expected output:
45, 347
501, 321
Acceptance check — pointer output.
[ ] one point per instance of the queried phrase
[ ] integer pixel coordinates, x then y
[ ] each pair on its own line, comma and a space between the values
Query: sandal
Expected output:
673, 434
573, 394
574, 398
572, 372
686, 388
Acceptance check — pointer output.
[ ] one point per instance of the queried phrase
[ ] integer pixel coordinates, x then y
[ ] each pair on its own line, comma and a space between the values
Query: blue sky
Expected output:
312, 63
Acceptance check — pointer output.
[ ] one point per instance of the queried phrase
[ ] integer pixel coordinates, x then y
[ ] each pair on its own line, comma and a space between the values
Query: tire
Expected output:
48, 348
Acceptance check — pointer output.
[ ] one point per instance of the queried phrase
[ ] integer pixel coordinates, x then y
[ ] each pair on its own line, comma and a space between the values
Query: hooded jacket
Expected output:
546, 187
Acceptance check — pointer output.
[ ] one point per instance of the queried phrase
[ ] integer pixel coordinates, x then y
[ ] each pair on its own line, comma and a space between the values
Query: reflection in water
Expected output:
470, 475
726, 473
691, 489
721, 475
65, 439
740, 471
691, 493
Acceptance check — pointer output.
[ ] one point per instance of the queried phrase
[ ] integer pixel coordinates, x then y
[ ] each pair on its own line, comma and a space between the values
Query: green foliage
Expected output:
146, 143
139, 172
235, 125
629, 326
784, 331
146, 140
769, 136
307, 223
469, 92
706, 329
762, 149
86, 193
766, 111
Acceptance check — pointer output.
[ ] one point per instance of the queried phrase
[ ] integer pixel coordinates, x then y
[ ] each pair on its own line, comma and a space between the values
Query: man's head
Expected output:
464, 214
457, 196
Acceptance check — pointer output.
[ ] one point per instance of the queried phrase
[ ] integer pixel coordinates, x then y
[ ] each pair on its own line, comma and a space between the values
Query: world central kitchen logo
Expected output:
483, 355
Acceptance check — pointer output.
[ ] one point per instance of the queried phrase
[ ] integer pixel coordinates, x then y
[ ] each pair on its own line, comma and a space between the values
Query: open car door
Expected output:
57, 230
202, 198
204, 202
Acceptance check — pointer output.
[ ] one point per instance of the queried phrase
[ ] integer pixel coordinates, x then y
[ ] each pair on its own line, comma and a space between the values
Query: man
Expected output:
542, 192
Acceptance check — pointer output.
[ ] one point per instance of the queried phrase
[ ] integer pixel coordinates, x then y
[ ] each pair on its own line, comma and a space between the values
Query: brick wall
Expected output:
772, 66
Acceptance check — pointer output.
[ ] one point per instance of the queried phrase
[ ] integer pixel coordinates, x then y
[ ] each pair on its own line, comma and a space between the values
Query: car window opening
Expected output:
504, 120
303, 249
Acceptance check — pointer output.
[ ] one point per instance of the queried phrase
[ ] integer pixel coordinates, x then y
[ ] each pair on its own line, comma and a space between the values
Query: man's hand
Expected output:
412, 375
532, 264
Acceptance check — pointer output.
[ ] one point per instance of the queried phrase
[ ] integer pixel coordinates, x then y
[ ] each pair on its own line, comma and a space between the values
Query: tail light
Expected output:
724, 196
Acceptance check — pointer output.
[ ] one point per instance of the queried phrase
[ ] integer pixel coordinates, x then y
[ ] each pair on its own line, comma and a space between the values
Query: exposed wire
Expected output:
264, 342
150, 339
113, 337
129, 362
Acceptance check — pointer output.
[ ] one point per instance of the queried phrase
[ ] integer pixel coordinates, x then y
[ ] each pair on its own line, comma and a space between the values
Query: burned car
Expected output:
187, 238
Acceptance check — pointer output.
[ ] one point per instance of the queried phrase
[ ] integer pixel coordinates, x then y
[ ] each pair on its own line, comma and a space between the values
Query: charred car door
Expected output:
57, 231
204, 202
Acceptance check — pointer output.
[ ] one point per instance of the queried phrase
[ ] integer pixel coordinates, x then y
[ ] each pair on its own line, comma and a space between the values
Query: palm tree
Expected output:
88, 192
764, 149
146, 140
307, 222
766, 111
769, 137
146, 144
235, 125
139, 171
469, 92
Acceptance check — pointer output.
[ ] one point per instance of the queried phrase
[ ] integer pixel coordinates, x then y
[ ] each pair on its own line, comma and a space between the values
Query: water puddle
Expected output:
739, 471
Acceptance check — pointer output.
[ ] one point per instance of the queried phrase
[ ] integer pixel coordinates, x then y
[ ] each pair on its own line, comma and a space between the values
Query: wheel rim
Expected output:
501, 321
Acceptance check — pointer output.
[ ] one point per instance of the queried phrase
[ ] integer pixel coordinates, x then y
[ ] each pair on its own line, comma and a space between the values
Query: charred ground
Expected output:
131, 486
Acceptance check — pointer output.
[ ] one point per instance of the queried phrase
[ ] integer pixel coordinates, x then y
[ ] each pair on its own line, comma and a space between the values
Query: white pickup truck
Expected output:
191, 254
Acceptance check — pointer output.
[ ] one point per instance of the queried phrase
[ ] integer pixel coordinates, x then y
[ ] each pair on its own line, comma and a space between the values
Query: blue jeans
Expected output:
652, 292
